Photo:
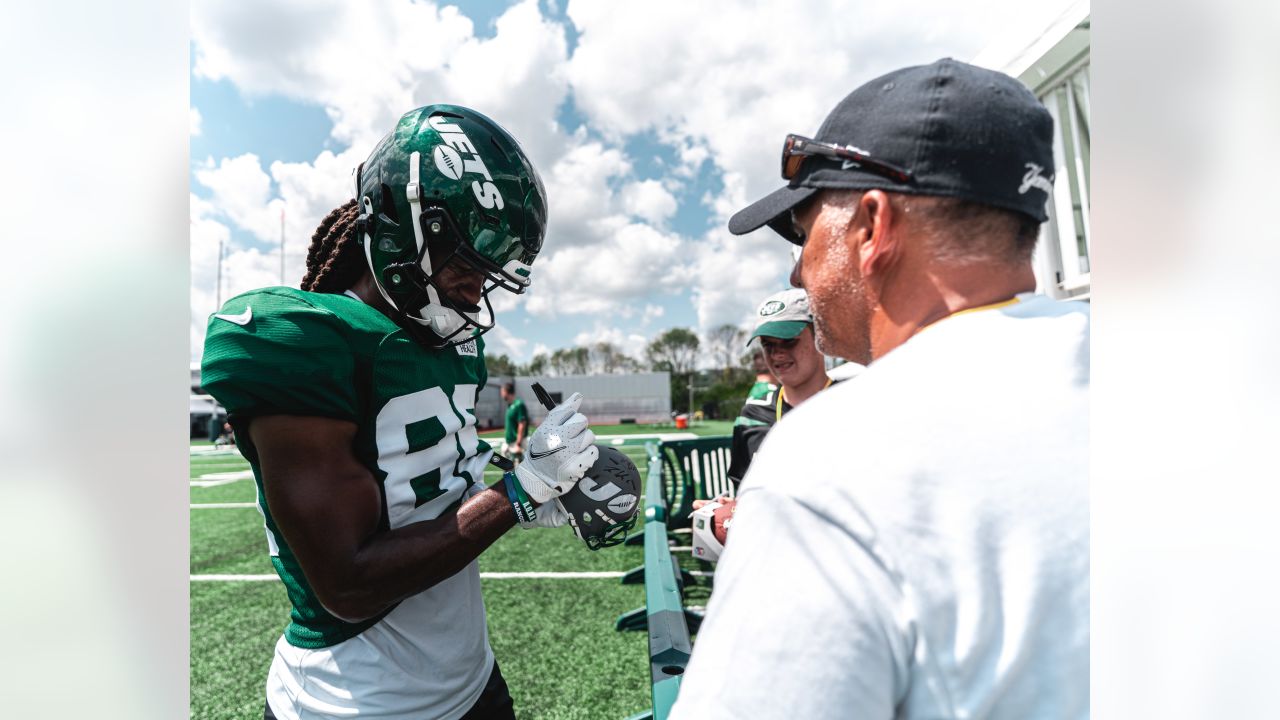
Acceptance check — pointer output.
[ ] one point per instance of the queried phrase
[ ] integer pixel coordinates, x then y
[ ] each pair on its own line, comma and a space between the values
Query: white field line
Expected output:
618, 439
206, 506
214, 479
483, 576
214, 463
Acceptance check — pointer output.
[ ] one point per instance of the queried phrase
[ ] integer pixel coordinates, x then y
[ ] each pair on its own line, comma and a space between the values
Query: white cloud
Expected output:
721, 89
729, 87
649, 201
630, 343
242, 194
651, 313
735, 273
612, 277
578, 194
196, 122
500, 341
362, 62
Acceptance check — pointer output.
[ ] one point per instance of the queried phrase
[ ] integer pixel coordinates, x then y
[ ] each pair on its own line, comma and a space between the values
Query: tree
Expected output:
538, 365
725, 344
500, 366
606, 358
675, 351
570, 361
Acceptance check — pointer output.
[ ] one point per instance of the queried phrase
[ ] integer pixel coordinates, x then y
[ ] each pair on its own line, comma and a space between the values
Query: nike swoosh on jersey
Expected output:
535, 455
241, 319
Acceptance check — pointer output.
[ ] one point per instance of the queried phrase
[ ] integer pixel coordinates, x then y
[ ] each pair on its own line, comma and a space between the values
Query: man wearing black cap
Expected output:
937, 565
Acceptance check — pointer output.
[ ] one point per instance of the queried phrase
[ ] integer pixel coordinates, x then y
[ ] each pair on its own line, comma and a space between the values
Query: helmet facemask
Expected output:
615, 534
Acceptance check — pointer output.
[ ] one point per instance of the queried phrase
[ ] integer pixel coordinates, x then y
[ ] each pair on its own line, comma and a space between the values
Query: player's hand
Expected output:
515, 449
560, 452
548, 515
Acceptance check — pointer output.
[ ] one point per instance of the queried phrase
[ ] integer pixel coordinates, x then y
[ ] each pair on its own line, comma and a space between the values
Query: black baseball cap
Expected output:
950, 128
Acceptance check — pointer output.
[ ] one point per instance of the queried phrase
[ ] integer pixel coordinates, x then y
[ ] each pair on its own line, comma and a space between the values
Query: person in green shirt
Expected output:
353, 399
517, 423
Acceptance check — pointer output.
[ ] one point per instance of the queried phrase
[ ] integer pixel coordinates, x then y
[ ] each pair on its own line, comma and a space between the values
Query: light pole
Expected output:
282, 246
218, 292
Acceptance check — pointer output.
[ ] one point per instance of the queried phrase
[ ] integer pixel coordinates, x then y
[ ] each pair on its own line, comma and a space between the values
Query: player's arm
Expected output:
328, 507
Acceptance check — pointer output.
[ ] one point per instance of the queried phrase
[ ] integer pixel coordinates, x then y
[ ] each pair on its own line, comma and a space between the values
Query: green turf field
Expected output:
561, 624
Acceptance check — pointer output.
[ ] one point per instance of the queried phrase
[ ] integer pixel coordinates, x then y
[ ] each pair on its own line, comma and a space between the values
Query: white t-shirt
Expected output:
390, 670
933, 565
429, 657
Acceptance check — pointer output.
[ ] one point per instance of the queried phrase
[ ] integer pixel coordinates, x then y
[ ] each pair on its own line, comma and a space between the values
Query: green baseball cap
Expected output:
782, 315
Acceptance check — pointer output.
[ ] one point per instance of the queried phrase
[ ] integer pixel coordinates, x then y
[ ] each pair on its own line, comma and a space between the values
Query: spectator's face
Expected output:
793, 361
828, 269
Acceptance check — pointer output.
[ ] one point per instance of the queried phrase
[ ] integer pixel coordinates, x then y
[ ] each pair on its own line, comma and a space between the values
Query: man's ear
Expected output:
876, 243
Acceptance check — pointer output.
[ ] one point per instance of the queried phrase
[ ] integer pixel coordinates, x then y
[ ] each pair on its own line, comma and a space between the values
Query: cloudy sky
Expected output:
650, 123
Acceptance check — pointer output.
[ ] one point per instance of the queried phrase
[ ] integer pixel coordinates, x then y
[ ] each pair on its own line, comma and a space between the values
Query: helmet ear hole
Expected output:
387, 204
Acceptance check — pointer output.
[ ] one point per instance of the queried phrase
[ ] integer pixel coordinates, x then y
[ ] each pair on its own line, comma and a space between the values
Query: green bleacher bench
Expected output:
664, 614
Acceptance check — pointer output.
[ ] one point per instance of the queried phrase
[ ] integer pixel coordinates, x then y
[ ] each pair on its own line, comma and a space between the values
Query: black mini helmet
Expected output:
602, 507
448, 185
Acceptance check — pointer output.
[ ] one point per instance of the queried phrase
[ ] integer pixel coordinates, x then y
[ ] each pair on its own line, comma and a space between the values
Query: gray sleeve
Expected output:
805, 621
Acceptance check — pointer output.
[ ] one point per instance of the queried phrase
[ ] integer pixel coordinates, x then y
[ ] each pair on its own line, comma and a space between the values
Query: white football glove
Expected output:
558, 453
548, 515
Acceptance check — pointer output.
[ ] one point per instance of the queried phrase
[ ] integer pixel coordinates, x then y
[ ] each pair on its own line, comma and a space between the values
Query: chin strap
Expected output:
442, 320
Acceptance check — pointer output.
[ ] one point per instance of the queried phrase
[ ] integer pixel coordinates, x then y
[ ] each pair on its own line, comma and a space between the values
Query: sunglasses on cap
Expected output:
797, 147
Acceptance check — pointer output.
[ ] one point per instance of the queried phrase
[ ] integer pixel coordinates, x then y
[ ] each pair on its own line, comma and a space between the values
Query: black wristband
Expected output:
519, 500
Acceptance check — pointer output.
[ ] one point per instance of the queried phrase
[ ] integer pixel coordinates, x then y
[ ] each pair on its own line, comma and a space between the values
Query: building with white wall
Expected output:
1054, 63
607, 399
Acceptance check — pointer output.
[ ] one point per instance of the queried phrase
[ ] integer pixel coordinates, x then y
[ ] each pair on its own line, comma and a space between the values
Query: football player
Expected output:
353, 399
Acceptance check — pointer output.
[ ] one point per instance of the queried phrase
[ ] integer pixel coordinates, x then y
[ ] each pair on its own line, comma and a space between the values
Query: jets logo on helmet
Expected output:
448, 187
448, 162
602, 506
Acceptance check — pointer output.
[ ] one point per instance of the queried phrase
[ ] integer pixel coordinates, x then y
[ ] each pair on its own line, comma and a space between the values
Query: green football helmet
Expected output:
448, 185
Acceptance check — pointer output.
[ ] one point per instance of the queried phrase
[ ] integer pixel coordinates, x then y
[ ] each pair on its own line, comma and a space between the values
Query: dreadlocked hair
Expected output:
334, 260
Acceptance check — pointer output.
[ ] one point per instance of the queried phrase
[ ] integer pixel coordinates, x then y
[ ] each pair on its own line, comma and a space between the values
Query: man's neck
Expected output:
899, 316
367, 292
796, 394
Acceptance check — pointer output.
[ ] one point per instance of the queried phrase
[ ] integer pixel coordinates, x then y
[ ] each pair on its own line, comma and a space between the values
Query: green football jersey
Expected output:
286, 351
516, 413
